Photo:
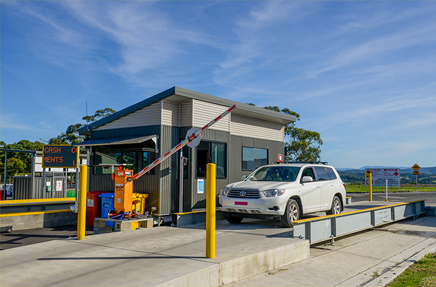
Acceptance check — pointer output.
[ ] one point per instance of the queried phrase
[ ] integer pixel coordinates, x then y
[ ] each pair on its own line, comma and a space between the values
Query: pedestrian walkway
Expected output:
371, 258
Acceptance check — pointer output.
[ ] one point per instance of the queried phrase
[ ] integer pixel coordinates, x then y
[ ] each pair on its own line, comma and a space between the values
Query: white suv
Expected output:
285, 190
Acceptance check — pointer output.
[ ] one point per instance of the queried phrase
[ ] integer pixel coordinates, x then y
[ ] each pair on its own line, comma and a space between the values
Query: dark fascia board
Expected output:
241, 109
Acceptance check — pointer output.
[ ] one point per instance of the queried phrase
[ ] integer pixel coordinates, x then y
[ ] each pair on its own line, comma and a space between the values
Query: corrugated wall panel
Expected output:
253, 128
186, 114
205, 112
169, 192
170, 114
147, 116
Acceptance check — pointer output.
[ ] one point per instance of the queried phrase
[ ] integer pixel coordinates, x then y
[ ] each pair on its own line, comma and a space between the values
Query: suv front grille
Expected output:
243, 193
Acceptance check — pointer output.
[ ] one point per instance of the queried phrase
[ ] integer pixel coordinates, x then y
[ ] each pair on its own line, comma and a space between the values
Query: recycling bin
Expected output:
138, 202
107, 204
93, 206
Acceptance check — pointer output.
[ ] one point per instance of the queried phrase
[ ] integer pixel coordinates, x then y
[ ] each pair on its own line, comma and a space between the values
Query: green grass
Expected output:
410, 188
420, 274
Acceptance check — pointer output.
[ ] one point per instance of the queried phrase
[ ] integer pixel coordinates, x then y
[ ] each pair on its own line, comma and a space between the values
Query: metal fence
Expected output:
24, 188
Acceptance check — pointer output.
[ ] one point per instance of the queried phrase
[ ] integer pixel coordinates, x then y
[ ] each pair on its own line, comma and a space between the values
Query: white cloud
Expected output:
251, 46
15, 122
416, 35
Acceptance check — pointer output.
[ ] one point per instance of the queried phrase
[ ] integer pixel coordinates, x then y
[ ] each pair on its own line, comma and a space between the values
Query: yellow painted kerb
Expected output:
195, 211
37, 201
33, 213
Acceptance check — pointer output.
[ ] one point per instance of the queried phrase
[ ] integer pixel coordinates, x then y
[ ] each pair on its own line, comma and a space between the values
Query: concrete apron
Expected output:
164, 256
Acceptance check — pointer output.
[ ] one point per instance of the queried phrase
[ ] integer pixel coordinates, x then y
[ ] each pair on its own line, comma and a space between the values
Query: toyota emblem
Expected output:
243, 193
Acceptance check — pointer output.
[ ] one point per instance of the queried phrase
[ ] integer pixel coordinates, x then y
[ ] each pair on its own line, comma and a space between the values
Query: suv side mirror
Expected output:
244, 177
306, 179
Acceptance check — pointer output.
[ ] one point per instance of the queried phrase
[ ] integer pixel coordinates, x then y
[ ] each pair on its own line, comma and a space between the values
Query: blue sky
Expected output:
362, 74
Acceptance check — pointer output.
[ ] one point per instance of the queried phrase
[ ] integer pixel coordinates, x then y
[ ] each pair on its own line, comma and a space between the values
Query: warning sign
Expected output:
58, 185
380, 175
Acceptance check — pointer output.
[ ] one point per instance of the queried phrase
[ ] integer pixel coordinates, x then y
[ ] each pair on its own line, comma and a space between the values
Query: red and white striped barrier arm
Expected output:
180, 145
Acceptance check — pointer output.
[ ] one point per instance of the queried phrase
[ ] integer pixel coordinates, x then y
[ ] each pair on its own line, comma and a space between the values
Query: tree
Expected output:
71, 135
99, 114
304, 145
21, 160
16, 165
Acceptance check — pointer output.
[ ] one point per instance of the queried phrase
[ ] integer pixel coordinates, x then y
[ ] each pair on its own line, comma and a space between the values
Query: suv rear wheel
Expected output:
292, 213
336, 206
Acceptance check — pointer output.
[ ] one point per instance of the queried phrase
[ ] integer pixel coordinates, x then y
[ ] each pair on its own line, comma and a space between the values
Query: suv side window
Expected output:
320, 172
308, 172
331, 173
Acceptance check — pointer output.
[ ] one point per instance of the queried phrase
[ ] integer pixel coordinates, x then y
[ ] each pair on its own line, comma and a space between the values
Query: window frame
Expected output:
139, 152
242, 157
209, 143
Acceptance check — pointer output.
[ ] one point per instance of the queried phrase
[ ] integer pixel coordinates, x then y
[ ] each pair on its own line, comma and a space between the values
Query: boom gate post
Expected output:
210, 209
81, 217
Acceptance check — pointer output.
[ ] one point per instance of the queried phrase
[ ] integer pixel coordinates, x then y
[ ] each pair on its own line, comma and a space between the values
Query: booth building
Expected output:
243, 140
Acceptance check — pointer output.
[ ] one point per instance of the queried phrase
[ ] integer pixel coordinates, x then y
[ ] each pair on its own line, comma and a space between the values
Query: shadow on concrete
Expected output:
20, 238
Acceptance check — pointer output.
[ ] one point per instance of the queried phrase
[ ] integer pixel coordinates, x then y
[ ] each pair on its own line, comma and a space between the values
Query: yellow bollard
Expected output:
210, 209
369, 176
81, 218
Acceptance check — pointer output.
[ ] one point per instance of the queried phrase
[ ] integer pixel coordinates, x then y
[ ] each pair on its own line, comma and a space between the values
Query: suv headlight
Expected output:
274, 192
225, 191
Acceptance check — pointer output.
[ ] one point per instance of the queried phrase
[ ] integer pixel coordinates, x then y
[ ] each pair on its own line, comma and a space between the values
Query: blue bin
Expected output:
107, 204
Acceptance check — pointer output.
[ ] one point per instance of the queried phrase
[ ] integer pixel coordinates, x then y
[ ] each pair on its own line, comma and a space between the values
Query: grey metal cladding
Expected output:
169, 196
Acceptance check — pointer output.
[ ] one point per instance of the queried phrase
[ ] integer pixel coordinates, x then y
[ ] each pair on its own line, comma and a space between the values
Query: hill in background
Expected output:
357, 176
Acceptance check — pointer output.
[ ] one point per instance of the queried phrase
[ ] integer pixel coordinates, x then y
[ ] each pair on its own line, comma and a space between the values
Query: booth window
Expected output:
139, 158
252, 157
212, 152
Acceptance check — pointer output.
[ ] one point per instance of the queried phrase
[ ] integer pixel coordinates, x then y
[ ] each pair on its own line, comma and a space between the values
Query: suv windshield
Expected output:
275, 173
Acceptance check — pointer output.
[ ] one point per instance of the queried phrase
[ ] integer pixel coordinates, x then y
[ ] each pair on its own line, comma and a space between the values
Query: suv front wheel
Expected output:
234, 219
292, 213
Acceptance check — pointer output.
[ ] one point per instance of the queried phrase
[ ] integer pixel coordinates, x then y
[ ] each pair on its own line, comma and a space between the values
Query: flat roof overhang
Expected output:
118, 141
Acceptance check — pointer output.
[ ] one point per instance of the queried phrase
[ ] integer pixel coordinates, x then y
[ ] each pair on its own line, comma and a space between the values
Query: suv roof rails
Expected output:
312, 162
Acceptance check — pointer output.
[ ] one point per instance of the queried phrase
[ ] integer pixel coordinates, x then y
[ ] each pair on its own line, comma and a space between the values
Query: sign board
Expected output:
379, 176
416, 167
58, 185
60, 156
415, 172
200, 185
